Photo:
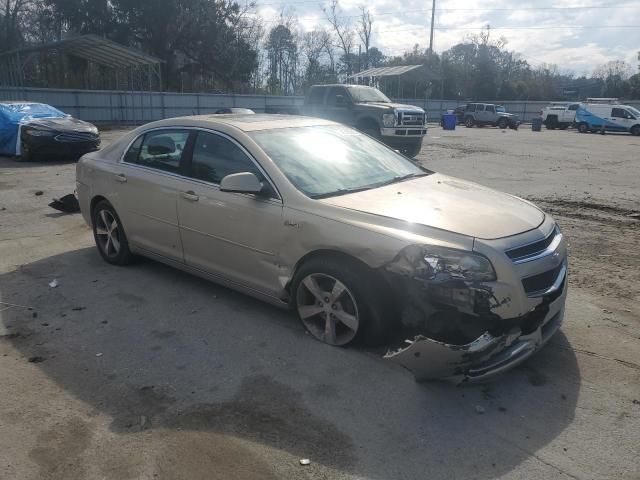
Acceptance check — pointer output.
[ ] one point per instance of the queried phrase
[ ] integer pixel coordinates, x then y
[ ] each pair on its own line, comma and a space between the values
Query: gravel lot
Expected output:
145, 372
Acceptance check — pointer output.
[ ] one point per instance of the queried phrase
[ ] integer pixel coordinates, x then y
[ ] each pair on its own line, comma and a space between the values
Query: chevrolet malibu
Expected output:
457, 280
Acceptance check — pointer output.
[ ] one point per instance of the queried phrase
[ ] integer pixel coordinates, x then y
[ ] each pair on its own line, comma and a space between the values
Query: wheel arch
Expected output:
327, 253
366, 121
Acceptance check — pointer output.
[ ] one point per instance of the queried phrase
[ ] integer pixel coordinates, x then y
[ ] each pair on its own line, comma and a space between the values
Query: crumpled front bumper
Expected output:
480, 360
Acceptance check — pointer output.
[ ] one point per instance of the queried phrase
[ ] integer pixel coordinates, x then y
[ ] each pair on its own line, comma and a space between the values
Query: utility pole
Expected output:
433, 16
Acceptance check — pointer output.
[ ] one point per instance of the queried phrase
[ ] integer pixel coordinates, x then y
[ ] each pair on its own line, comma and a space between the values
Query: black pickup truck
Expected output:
400, 126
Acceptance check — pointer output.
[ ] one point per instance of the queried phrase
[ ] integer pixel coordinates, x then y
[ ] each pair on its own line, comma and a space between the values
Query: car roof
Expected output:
248, 123
19, 102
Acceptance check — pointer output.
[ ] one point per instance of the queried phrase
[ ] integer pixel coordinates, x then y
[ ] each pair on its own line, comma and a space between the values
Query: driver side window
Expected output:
215, 157
337, 97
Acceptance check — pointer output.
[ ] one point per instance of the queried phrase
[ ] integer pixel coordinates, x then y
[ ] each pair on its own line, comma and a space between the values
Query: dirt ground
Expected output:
145, 372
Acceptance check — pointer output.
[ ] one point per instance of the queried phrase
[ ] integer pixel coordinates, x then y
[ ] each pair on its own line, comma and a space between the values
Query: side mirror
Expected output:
243, 182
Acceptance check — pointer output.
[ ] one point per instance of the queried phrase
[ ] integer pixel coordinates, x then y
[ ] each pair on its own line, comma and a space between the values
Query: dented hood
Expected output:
449, 204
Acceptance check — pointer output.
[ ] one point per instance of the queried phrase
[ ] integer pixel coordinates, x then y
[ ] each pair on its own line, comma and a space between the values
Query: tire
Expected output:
110, 239
469, 122
360, 303
583, 127
552, 123
411, 150
370, 129
635, 130
503, 123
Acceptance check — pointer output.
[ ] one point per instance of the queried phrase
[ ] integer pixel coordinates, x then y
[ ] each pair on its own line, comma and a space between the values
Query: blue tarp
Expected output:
14, 115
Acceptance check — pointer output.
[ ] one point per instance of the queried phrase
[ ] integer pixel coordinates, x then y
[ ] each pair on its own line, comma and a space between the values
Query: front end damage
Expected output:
461, 329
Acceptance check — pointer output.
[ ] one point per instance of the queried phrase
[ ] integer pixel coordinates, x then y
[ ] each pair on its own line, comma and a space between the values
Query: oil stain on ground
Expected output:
270, 413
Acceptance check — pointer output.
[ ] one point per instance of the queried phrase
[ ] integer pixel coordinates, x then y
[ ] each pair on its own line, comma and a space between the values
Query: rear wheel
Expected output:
109, 235
469, 122
338, 302
583, 127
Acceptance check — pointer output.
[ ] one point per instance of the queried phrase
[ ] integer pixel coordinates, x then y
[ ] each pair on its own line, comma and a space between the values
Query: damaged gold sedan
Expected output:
458, 281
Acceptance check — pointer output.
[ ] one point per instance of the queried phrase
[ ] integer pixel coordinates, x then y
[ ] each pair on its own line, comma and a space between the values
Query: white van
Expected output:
591, 117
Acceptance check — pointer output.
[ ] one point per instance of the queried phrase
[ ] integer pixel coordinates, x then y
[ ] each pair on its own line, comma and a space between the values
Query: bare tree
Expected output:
364, 32
13, 11
343, 31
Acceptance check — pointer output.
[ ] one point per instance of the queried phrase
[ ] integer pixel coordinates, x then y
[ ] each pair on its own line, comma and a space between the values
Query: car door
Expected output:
480, 115
338, 106
621, 120
146, 194
489, 114
234, 235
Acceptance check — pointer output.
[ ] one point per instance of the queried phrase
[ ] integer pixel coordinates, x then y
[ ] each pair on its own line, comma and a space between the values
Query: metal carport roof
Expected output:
385, 71
94, 49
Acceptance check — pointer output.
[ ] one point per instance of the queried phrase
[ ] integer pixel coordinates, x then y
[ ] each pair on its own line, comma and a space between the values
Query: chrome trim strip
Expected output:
541, 254
556, 284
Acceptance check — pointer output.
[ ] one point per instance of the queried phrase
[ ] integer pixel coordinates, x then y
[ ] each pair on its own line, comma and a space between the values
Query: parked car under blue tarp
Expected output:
29, 129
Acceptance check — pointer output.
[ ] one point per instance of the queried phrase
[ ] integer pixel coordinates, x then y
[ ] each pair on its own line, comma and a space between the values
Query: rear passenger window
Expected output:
215, 157
573, 107
471, 107
161, 149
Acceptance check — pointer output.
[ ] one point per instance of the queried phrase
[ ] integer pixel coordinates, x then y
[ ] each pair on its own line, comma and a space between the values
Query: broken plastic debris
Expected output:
53, 283
479, 409
67, 204
305, 461
98, 354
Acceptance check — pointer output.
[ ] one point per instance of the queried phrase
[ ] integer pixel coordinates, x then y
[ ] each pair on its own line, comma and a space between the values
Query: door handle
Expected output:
121, 177
190, 195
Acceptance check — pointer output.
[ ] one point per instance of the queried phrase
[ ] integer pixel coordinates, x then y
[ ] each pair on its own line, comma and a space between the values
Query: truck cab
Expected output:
402, 127
559, 115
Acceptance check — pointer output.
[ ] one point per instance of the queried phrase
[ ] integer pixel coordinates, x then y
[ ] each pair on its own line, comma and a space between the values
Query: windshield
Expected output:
324, 161
635, 111
500, 109
367, 94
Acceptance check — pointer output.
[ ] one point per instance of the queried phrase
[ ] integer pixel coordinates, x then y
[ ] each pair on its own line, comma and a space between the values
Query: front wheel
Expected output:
338, 303
411, 150
583, 128
109, 235
502, 123
635, 130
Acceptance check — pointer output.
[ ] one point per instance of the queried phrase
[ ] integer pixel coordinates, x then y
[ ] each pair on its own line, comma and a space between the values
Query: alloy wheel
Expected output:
327, 309
108, 233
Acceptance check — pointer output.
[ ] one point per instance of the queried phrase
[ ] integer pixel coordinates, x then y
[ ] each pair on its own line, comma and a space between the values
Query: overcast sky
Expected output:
576, 35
